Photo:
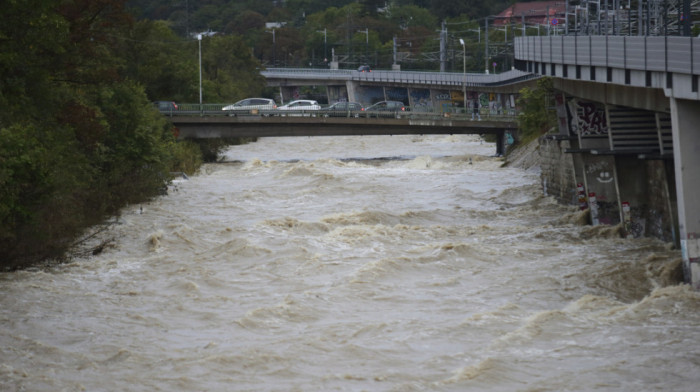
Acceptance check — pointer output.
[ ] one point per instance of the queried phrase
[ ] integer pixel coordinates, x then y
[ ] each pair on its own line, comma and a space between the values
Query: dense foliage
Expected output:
302, 33
537, 114
79, 138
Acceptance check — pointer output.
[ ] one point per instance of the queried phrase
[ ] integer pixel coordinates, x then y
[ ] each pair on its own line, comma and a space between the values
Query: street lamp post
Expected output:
486, 45
366, 33
325, 45
464, 73
199, 38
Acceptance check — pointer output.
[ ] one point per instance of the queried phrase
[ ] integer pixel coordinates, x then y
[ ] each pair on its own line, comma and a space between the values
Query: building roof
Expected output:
539, 12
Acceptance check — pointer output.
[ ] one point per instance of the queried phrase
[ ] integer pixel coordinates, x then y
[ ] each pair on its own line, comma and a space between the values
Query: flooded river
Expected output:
402, 263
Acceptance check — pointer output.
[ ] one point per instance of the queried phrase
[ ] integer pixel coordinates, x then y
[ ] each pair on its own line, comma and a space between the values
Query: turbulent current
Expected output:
404, 263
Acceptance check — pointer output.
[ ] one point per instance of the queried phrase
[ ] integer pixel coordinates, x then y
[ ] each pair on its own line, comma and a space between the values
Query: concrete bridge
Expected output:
437, 103
212, 124
443, 91
629, 109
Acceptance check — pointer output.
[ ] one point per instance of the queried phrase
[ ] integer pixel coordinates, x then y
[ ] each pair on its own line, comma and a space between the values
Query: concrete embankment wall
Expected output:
645, 186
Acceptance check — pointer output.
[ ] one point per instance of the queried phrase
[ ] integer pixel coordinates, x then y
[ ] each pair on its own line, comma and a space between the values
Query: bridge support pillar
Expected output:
685, 117
352, 95
288, 94
500, 143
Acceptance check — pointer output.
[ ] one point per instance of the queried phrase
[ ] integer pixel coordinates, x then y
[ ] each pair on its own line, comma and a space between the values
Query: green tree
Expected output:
78, 140
412, 16
536, 114
162, 62
230, 71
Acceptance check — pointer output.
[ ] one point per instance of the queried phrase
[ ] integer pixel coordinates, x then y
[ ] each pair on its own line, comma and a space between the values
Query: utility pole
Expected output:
687, 18
325, 45
486, 46
199, 38
443, 51
464, 74
366, 32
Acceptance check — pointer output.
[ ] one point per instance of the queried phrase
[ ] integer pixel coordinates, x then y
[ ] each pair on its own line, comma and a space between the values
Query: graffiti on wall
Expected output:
397, 94
586, 118
420, 100
443, 100
495, 105
337, 94
369, 95
600, 176
600, 171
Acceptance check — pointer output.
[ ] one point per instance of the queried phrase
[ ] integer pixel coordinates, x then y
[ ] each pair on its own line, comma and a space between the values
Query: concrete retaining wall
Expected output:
558, 174
646, 186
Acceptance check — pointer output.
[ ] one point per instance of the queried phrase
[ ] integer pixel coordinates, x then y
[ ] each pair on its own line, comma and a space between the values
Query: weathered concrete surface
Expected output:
685, 116
207, 127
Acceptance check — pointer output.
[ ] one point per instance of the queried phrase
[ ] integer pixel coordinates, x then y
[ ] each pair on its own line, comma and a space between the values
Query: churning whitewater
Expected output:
404, 263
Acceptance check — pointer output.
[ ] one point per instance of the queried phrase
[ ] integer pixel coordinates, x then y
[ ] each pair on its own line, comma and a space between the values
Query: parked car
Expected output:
165, 106
299, 107
343, 109
251, 106
364, 68
386, 109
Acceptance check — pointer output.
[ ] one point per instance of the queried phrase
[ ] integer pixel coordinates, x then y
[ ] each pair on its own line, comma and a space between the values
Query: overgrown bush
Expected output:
537, 114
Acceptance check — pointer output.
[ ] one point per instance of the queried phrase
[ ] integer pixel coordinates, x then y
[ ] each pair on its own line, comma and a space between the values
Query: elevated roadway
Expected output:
633, 107
442, 91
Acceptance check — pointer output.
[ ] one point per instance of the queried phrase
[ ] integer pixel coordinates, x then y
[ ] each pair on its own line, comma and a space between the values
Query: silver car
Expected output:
300, 107
251, 106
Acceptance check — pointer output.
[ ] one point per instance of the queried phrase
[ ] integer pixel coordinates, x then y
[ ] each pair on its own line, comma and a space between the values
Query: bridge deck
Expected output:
206, 127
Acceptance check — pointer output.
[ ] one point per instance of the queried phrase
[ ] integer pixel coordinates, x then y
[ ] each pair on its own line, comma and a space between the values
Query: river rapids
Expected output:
404, 263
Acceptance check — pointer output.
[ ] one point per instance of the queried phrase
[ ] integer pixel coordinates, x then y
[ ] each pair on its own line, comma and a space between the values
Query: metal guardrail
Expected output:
436, 79
645, 53
422, 112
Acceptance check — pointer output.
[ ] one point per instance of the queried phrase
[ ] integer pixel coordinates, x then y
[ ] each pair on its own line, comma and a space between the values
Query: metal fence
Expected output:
645, 53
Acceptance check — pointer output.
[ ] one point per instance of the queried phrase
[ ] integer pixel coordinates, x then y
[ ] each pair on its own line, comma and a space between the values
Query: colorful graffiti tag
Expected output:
587, 118
420, 100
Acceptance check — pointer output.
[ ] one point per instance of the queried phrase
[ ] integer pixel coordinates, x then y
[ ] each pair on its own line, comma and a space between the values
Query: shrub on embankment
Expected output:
78, 139
537, 114
78, 162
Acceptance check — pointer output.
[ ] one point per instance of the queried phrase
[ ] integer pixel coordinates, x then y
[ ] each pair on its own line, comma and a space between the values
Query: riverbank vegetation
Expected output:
537, 115
79, 137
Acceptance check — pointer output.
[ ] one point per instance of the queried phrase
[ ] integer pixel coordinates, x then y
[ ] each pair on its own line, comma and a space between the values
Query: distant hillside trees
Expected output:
308, 31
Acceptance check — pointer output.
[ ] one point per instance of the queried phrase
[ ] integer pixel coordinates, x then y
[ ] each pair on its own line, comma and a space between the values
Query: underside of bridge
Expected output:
636, 155
203, 127
441, 99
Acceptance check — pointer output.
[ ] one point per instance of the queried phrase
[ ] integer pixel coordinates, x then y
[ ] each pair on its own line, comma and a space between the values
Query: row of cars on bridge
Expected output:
301, 107
311, 107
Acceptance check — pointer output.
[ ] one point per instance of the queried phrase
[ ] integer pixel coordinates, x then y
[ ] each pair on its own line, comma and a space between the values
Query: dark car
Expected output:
343, 109
386, 109
165, 106
364, 68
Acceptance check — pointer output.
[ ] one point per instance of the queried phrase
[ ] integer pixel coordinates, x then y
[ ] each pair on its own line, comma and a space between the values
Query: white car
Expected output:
300, 107
251, 106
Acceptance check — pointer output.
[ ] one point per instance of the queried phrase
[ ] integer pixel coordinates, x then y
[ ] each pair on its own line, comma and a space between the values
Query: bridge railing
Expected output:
436, 79
645, 53
417, 112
